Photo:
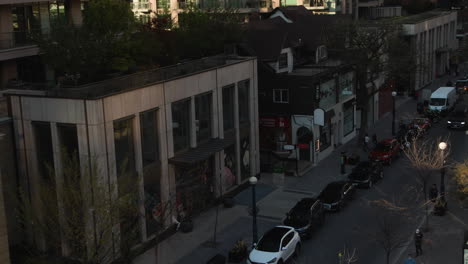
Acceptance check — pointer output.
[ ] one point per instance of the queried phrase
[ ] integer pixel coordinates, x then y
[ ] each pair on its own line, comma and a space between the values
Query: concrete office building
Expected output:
189, 132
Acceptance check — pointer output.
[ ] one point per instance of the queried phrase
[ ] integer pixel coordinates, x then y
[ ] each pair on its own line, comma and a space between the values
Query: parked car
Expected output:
462, 85
458, 118
276, 246
336, 194
385, 151
366, 173
306, 216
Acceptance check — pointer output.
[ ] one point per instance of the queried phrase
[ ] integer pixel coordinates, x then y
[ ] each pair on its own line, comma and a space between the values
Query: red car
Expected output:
385, 151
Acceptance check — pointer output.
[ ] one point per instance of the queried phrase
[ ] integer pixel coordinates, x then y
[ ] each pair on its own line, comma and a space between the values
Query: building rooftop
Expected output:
418, 18
126, 82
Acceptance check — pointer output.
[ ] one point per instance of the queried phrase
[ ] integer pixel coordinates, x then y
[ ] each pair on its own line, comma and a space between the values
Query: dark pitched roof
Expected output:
267, 37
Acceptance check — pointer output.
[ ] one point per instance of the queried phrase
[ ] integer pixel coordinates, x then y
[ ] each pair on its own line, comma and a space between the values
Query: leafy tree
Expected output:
461, 178
376, 50
108, 41
202, 33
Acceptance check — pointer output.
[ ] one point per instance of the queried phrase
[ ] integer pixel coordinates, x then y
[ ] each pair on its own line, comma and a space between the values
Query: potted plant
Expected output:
238, 253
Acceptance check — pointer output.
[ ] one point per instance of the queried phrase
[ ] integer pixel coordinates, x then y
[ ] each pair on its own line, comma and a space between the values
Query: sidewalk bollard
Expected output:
343, 162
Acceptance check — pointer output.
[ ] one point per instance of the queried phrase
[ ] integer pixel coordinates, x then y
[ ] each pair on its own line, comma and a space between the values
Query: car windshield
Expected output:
457, 114
270, 242
437, 101
382, 147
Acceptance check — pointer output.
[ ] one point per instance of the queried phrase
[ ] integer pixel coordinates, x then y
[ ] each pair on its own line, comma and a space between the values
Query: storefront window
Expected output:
243, 97
245, 157
194, 187
228, 107
348, 118
325, 135
230, 167
181, 125
45, 156
327, 94
203, 116
346, 85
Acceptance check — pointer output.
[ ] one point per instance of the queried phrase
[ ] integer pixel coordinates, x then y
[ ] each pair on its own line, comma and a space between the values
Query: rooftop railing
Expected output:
127, 82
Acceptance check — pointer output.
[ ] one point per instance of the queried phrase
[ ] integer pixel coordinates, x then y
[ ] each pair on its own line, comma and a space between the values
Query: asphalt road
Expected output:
356, 227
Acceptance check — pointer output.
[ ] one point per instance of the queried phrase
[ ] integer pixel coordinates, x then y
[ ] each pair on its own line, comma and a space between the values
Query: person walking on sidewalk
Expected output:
366, 142
410, 260
418, 236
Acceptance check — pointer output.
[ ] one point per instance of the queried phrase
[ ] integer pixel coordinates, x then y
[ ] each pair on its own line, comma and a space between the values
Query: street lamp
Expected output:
393, 113
253, 181
442, 147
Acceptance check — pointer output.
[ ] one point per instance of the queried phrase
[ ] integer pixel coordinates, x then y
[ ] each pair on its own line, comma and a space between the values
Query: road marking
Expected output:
454, 217
404, 249
299, 191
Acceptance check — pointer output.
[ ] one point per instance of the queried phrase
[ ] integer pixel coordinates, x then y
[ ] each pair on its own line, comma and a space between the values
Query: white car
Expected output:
276, 246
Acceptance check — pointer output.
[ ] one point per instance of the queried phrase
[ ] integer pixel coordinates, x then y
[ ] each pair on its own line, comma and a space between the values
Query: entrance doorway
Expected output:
304, 136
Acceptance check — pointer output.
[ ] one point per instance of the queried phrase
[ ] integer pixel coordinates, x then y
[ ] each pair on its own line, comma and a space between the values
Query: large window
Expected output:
127, 183
149, 137
327, 94
181, 125
244, 101
280, 96
203, 116
151, 171
45, 156
124, 148
228, 107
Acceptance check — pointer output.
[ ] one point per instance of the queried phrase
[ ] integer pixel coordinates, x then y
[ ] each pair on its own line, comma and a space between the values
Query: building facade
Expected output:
188, 133
432, 35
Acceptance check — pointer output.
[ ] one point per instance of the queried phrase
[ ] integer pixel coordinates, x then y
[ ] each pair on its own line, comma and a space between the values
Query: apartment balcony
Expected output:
141, 6
16, 44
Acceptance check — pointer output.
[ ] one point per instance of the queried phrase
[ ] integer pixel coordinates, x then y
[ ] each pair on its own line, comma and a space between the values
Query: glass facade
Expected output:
203, 116
348, 117
228, 107
181, 125
230, 167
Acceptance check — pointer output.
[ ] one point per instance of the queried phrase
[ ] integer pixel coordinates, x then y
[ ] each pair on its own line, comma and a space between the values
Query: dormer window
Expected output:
283, 61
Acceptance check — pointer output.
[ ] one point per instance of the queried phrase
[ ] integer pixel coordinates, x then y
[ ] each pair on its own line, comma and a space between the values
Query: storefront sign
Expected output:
302, 146
288, 147
274, 122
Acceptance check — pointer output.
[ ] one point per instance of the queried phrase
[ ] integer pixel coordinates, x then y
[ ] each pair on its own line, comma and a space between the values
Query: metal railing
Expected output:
9, 40
127, 82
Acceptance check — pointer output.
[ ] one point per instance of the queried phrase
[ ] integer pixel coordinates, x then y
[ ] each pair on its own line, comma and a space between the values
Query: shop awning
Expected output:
201, 152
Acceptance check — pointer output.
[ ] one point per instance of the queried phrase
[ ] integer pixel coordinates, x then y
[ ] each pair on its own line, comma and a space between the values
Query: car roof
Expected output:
276, 233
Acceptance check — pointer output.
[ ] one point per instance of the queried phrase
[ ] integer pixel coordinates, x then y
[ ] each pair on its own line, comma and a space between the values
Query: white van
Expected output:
443, 98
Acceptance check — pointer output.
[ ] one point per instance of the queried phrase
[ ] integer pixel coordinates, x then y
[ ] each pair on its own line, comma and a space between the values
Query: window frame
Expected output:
281, 101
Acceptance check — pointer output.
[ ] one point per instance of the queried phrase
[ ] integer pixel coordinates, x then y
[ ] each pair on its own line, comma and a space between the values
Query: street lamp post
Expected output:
253, 181
442, 147
393, 113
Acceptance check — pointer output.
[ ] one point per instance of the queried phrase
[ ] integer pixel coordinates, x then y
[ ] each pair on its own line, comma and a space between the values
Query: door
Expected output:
304, 137
287, 245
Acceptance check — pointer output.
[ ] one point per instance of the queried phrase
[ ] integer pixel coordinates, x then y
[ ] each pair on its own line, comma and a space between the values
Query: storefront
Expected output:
276, 132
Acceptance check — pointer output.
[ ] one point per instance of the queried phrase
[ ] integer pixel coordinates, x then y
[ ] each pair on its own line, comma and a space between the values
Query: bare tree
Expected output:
347, 256
461, 179
85, 219
425, 157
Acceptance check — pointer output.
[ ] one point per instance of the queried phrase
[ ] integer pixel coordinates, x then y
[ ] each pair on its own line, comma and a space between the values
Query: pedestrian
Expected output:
433, 193
418, 236
366, 142
410, 260
374, 139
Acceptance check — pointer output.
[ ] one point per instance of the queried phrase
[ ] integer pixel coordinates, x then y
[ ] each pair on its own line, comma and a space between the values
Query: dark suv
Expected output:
366, 173
458, 118
306, 216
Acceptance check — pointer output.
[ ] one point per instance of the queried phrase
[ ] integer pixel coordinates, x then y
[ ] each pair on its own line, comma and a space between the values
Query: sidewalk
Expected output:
276, 194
